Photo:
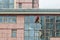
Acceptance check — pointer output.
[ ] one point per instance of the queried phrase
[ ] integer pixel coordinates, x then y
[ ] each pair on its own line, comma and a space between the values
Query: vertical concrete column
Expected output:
14, 4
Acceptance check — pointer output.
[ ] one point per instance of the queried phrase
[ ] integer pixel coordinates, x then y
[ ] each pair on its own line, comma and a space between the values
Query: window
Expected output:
14, 33
58, 26
1, 19
32, 28
6, 3
49, 25
11, 1
10, 19
20, 5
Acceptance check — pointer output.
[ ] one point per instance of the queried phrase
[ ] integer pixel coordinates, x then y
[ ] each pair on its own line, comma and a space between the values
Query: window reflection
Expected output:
58, 26
49, 26
6, 3
32, 28
58, 19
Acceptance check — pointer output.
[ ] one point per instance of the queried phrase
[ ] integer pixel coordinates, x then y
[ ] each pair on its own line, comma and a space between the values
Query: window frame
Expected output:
12, 31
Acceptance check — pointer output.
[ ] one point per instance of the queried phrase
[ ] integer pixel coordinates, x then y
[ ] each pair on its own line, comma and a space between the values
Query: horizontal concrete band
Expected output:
11, 28
29, 12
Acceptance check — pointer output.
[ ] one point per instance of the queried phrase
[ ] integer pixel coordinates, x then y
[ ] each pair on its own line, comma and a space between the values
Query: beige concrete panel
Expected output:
55, 38
27, 6
24, 0
20, 33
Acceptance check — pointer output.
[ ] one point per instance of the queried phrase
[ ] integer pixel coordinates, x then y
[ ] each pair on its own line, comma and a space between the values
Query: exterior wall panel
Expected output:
55, 38
27, 3
5, 29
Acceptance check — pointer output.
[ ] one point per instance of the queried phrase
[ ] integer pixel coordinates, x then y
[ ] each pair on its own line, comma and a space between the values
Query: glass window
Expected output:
11, 5
26, 26
14, 33
26, 33
10, 19
26, 19
37, 33
47, 20
58, 26
36, 38
47, 34
37, 26
57, 31
46, 38
52, 20
58, 34
31, 33
47, 17
1, 6
31, 19
26, 38
11, 1
20, 5
32, 26
0, 0
49, 25
31, 38
58, 19
1, 19
51, 17
6, 3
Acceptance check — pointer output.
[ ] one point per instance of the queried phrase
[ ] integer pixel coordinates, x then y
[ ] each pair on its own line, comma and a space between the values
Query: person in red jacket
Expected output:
37, 19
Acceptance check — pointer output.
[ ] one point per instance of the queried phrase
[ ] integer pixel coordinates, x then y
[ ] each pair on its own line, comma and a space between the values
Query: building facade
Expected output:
19, 21
25, 4
37, 25
12, 26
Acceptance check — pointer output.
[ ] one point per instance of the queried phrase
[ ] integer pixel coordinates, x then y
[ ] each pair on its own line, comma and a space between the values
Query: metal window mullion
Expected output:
45, 27
32, 3
2, 19
28, 28
55, 26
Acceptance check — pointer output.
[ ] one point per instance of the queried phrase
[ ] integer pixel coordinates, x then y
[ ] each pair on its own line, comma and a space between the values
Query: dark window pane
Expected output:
1, 19
58, 26
20, 5
46, 38
6, 3
26, 26
47, 34
38, 26
31, 33
47, 17
58, 34
26, 19
26, 38
58, 19
47, 20
14, 33
10, 19
11, 5
31, 19
26, 33
0, 0
11, 1
49, 25
31, 38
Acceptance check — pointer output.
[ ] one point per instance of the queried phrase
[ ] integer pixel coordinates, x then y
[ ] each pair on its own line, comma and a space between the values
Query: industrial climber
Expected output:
37, 20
